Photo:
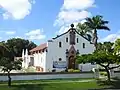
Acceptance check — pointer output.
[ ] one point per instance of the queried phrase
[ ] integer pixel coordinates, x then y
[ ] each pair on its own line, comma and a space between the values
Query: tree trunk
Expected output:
108, 73
95, 38
9, 79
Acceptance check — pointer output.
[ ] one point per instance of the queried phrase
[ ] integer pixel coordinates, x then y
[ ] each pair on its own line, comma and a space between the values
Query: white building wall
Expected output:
89, 48
40, 59
47, 76
55, 52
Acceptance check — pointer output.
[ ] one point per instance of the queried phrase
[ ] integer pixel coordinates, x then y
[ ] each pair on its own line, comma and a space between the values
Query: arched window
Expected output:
67, 39
60, 44
83, 45
77, 40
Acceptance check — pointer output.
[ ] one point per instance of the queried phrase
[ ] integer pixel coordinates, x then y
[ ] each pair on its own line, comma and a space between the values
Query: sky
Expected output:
41, 20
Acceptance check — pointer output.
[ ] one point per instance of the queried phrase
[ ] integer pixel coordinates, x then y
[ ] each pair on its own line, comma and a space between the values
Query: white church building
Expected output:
58, 53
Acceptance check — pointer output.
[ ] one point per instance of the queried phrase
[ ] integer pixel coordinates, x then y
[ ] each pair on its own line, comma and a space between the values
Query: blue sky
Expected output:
40, 20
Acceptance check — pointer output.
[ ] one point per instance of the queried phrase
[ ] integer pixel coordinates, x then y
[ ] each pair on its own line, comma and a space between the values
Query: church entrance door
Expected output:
71, 64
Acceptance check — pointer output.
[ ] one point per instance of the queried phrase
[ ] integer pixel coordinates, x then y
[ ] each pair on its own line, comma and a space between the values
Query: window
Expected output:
83, 45
60, 44
43, 50
66, 39
60, 59
39, 51
46, 50
77, 40
77, 51
67, 50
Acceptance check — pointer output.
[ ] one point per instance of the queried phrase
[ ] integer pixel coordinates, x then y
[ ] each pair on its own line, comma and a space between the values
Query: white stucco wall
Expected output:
47, 76
40, 59
86, 67
89, 48
55, 52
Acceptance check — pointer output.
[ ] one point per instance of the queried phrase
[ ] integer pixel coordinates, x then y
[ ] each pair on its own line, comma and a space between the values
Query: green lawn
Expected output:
53, 86
50, 80
63, 84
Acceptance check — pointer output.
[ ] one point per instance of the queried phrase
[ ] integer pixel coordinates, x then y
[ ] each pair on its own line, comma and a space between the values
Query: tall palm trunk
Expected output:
95, 38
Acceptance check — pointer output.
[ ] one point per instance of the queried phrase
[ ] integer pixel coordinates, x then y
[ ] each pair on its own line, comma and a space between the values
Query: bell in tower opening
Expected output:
72, 35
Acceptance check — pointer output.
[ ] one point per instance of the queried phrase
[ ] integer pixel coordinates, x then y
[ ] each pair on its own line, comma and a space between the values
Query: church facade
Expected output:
59, 53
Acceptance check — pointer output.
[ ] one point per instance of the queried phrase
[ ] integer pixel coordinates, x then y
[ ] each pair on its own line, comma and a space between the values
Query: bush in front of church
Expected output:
72, 70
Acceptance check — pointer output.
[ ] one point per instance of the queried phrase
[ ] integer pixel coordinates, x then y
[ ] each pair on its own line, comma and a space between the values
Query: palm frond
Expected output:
89, 20
103, 27
104, 22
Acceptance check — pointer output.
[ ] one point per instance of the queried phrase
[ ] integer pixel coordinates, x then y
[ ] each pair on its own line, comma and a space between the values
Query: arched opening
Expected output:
71, 63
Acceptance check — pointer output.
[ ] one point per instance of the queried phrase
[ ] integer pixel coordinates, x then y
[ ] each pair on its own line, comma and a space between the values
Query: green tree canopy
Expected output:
102, 58
117, 46
106, 46
84, 30
96, 23
17, 44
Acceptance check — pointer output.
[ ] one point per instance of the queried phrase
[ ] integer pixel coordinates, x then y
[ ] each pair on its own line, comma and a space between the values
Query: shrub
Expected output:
103, 73
76, 70
72, 70
30, 69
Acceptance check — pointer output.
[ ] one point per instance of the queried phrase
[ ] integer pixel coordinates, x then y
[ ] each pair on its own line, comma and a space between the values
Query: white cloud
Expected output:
10, 32
16, 9
73, 11
82, 21
77, 4
65, 28
67, 17
111, 37
18, 37
35, 34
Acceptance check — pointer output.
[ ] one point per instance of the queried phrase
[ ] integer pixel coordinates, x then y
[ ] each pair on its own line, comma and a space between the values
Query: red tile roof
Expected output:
41, 47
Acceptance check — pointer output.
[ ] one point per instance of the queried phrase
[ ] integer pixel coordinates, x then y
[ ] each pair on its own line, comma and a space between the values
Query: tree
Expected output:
102, 58
8, 65
84, 30
117, 46
7, 61
16, 45
106, 46
96, 23
4, 50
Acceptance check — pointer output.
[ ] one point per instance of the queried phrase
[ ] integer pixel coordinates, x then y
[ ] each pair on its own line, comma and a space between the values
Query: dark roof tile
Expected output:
41, 47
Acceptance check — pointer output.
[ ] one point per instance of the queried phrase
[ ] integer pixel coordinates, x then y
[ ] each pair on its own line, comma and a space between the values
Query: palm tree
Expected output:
84, 30
96, 23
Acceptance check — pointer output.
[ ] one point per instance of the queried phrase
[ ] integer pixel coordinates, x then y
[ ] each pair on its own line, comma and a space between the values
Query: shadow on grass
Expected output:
113, 84
29, 87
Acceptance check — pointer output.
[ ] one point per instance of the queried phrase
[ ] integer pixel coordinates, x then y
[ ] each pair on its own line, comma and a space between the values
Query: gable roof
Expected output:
69, 31
40, 47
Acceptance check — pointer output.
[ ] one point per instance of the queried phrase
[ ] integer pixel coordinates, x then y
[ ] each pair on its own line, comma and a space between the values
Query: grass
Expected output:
50, 80
55, 86
52, 85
